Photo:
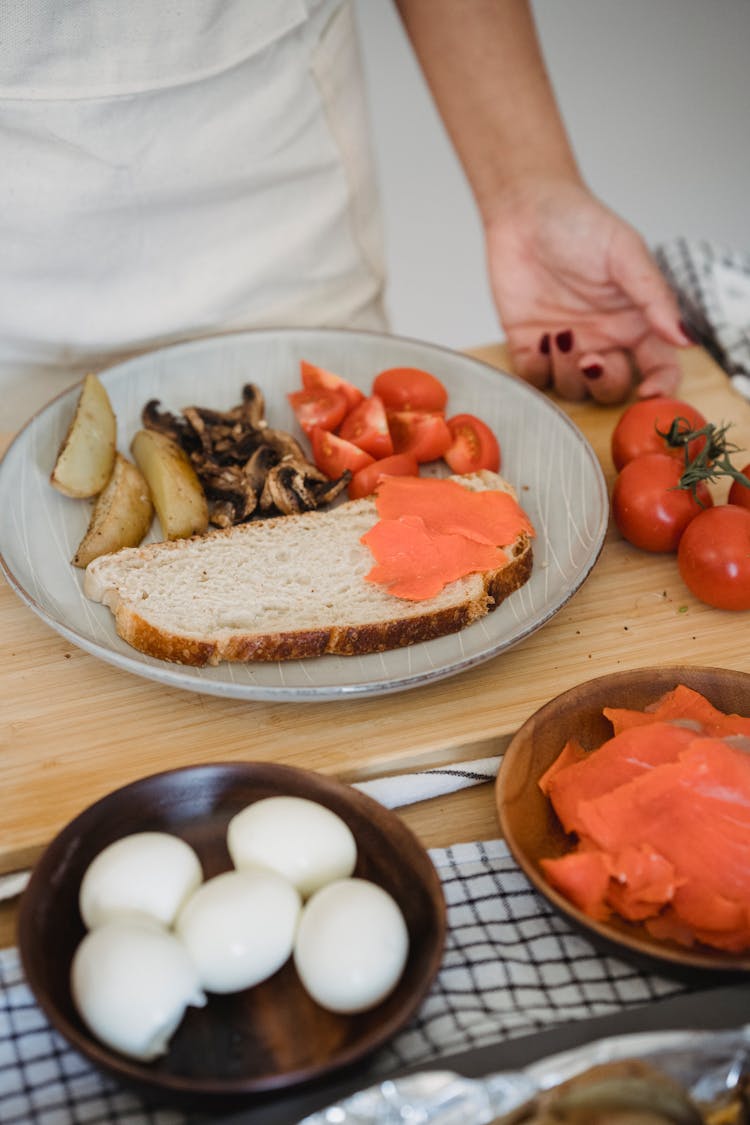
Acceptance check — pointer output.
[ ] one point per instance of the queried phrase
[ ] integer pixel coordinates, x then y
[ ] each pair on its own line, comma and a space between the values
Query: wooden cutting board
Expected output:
73, 728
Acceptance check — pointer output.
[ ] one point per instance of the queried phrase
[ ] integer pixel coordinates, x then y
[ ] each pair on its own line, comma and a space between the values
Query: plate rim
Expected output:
165, 1084
639, 944
177, 676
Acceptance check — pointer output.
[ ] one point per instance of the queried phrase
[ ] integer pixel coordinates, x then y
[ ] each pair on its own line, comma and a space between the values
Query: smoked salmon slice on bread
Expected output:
291, 587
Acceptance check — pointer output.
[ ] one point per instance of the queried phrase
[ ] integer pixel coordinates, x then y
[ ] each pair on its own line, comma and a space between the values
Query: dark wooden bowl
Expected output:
266, 1038
529, 823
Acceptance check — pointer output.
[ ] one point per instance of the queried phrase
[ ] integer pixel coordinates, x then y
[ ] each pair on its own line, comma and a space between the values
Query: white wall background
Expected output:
656, 97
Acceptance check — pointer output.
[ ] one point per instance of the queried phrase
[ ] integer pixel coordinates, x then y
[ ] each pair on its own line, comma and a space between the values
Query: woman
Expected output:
173, 171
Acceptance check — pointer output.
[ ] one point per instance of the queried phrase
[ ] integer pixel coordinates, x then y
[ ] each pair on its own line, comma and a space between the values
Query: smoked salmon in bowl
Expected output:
626, 802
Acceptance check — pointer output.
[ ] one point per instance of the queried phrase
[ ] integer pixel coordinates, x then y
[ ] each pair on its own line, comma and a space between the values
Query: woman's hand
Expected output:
583, 304
578, 294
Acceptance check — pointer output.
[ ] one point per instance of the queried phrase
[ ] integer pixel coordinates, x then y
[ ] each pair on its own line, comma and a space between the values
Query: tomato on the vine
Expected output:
648, 506
739, 493
636, 431
714, 557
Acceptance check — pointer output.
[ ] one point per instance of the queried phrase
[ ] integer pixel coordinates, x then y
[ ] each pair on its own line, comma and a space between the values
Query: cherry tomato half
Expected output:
740, 493
333, 455
367, 426
315, 378
636, 430
649, 508
365, 482
410, 388
714, 557
318, 408
474, 446
425, 435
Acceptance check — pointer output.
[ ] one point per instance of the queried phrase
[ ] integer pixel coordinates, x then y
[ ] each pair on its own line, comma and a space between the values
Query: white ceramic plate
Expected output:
558, 478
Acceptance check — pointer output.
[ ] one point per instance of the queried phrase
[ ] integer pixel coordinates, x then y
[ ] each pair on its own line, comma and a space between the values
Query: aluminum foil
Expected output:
705, 1063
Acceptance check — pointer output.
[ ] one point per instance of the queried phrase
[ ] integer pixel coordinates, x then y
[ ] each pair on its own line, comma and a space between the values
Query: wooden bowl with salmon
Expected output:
626, 802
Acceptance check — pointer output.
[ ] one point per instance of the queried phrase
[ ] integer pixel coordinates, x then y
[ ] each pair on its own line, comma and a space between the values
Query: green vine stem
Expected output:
713, 460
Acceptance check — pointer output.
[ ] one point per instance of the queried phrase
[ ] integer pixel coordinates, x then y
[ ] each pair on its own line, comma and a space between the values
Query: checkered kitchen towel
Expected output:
712, 284
512, 965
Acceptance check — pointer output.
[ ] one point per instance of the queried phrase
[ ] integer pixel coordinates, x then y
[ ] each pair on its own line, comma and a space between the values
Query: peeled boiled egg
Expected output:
239, 928
307, 843
351, 945
144, 874
131, 982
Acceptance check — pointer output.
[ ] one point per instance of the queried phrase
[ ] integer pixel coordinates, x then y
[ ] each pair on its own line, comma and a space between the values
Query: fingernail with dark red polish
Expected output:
593, 371
564, 340
544, 344
687, 331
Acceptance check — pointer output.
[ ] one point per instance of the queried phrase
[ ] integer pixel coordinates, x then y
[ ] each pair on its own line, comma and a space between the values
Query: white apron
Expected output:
175, 168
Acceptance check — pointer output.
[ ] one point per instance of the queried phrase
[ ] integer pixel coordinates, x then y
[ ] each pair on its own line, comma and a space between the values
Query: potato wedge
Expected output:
176, 492
87, 455
121, 515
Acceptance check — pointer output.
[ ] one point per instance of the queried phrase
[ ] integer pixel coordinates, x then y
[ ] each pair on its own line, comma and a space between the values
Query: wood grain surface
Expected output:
73, 728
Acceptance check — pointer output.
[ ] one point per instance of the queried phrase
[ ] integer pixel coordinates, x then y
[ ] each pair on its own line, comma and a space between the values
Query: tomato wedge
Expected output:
410, 388
314, 377
318, 408
333, 455
365, 482
425, 435
367, 426
474, 445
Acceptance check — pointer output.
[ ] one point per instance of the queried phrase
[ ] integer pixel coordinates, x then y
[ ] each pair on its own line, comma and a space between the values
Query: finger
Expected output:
636, 272
608, 376
658, 366
663, 382
566, 373
531, 361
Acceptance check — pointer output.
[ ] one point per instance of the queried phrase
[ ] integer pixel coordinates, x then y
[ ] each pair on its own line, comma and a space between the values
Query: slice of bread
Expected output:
284, 589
